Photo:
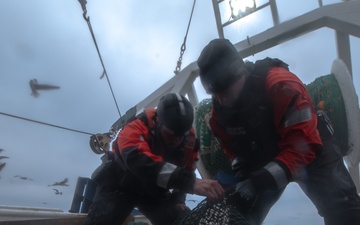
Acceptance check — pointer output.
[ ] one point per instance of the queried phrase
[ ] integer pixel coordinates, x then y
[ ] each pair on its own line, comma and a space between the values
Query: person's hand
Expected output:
271, 177
242, 195
245, 189
182, 208
210, 189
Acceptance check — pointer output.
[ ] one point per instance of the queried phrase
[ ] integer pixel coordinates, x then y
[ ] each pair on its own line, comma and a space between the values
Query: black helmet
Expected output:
220, 65
176, 113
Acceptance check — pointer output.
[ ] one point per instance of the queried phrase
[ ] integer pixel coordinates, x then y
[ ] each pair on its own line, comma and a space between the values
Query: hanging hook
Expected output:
83, 6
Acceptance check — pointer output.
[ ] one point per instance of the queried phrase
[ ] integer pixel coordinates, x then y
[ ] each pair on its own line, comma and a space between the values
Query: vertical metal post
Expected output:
274, 12
89, 194
78, 195
343, 49
83, 195
218, 18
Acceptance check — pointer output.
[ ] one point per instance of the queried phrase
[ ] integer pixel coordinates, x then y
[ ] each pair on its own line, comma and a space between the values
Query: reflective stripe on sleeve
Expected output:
164, 174
278, 173
297, 117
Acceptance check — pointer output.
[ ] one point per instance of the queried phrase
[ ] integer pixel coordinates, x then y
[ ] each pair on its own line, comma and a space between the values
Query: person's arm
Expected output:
223, 139
295, 120
136, 155
203, 187
151, 168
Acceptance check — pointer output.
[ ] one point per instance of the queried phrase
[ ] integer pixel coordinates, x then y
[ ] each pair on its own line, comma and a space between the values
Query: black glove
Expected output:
244, 194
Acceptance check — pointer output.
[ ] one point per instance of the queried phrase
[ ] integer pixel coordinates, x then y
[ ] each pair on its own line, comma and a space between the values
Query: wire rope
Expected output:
47, 124
87, 19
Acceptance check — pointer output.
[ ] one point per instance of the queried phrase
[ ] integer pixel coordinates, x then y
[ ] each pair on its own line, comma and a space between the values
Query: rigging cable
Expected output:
183, 46
87, 19
47, 124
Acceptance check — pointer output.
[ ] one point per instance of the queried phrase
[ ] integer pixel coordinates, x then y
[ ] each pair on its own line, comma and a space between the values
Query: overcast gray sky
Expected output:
140, 44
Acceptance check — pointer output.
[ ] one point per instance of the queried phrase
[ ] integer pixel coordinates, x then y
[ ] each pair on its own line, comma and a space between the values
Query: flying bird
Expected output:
61, 183
35, 87
23, 178
3, 157
57, 192
2, 165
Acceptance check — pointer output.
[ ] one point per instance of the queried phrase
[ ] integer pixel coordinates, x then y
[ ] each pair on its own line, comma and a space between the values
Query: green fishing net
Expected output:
211, 154
326, 95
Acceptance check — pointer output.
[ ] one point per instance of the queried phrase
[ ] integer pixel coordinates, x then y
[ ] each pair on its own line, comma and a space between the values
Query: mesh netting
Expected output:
326, 95
211, 154
207, 213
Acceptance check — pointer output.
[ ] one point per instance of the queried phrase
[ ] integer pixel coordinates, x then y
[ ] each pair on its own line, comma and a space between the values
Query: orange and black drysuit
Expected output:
274, 120
153, 166
272, 137
143, 173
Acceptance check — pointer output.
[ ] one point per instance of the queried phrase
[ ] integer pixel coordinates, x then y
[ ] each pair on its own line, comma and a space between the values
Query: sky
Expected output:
139, 42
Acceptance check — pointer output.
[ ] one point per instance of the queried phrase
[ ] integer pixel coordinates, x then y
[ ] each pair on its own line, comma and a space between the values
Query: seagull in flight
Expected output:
61, 183
35, 87
2, 165
57, 192
3, 157
24, 178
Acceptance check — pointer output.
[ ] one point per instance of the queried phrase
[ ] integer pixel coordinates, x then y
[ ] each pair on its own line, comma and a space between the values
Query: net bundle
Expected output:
327, 96
207, 213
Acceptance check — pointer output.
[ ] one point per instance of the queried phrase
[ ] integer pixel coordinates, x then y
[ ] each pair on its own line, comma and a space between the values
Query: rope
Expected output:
87, 19
183, 46
47, 124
